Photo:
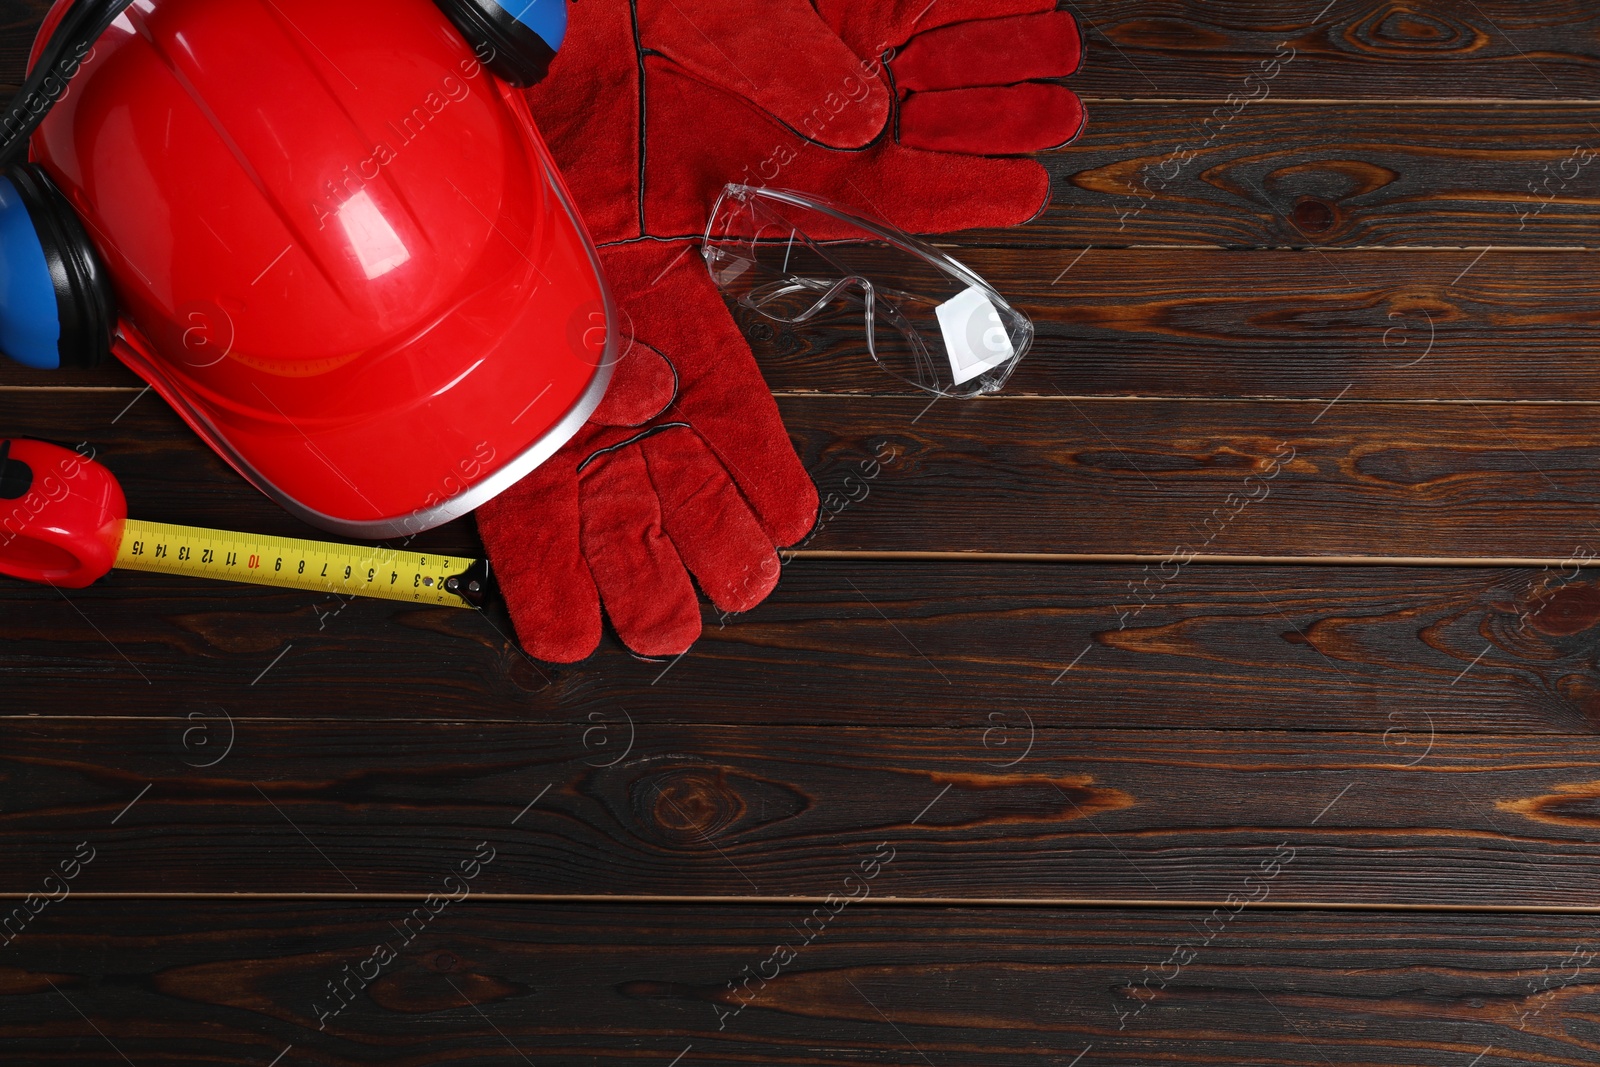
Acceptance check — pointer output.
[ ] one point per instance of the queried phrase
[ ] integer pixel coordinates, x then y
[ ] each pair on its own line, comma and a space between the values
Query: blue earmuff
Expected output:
517, 39
30, 331
56, 305
55, 298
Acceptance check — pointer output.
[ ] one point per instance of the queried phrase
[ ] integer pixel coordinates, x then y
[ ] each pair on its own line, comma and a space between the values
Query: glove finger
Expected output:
870, 29
531, 533
915, 190
709, 523
991, 51
719, 42
647, 593
721, 392
1010, 120
932, 192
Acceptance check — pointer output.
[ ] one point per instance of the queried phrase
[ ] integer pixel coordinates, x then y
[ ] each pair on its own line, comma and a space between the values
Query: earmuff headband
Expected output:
58, 63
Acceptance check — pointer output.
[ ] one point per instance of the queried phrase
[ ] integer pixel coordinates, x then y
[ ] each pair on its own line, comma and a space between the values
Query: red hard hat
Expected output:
339, 249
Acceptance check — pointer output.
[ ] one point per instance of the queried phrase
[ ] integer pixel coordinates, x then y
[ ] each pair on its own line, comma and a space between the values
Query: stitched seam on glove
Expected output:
635, 439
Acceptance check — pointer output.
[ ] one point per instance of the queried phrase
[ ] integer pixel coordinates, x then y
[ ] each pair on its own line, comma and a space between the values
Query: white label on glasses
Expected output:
974, 336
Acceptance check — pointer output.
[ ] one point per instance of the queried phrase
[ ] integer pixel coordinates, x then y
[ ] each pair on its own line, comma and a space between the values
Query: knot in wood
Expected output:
1403, 29
691, 804
1568, 609
1314, 215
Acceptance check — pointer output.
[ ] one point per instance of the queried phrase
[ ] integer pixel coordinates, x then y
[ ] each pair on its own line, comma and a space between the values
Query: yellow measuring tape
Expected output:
290, 563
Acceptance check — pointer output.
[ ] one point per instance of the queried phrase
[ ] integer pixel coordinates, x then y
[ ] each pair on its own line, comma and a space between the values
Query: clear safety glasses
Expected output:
799, 260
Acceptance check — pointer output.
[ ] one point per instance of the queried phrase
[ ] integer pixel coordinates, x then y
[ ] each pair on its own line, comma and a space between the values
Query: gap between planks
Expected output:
927, 730
1085, 558
1096, 903
1142, 398
1090, 398
1331, 101
1358, 101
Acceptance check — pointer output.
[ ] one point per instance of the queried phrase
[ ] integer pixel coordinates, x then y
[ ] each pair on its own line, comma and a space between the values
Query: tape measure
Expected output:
64, 521
291, 563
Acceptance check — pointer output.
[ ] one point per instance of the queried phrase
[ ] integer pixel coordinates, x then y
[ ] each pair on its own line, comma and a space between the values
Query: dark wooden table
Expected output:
986, 781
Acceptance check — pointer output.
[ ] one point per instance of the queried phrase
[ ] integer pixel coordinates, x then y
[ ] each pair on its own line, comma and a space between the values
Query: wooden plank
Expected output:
1142, 322
1399, 325
1461, 479
19, 21
1308, 175
614, 806
1389, 324
1504, 49
1352, 478
1519, 49
240, 983
861, 643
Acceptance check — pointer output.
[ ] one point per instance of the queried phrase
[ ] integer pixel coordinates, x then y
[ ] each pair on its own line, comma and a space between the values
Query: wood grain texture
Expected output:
861, 643
612, 806
1393, 325
19, 21
1357, 49
1307, 175
1388, 324
1458, 479
237, 983
142, 643
1289, 734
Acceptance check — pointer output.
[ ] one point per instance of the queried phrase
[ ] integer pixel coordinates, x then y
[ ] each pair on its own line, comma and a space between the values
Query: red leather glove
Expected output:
650, 108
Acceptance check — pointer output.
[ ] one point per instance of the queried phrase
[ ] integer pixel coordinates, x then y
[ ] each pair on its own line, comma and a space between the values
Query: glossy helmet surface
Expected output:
338, 247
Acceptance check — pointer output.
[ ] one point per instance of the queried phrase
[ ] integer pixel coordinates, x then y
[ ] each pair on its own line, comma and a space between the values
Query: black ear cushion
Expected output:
512, 51
84, 299
16, 477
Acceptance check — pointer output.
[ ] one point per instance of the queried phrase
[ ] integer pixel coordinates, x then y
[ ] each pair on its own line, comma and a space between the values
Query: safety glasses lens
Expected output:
929, 320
